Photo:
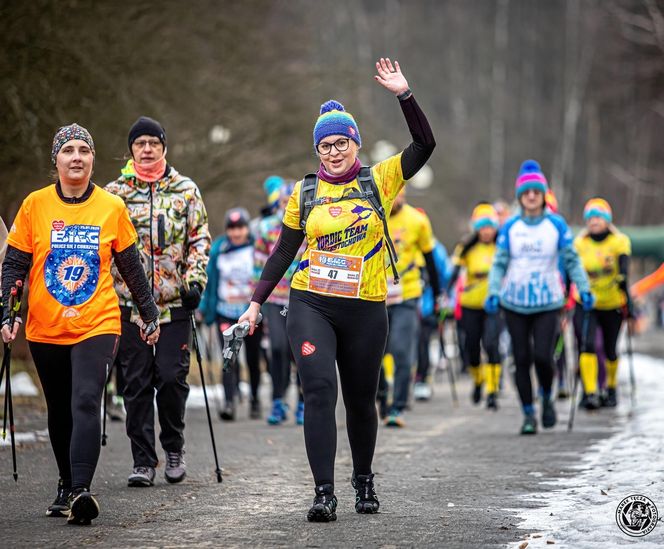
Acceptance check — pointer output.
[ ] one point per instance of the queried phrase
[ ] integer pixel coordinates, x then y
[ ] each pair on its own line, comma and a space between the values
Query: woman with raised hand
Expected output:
337, 313
70, 231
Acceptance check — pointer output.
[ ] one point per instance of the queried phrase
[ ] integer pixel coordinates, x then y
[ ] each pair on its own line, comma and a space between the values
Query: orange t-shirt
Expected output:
71, 288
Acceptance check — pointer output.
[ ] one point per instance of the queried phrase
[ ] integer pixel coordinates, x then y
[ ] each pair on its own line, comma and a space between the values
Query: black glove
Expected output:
150, 328
191, 298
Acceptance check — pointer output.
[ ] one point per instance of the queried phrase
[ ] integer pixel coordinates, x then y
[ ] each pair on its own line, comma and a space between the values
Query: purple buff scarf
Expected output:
340, 179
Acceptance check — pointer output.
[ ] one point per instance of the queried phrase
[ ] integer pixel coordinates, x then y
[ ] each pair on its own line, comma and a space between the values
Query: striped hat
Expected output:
484, 215
272, 187
598, 207
334, 120
530, 177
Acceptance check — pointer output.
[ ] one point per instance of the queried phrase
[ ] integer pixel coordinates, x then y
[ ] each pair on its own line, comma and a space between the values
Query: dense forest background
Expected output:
575, 84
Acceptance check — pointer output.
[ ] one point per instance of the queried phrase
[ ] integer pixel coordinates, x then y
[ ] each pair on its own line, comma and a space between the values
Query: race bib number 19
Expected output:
335, 274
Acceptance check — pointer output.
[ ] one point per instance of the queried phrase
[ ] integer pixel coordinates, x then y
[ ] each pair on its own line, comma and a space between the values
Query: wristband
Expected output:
404, 95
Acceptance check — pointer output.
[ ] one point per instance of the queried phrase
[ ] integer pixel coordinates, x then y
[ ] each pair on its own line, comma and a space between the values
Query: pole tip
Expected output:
219, 479
15, 477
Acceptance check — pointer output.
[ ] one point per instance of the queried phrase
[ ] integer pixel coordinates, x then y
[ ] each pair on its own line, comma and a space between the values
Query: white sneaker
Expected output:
422, 391
141, 477
175, 467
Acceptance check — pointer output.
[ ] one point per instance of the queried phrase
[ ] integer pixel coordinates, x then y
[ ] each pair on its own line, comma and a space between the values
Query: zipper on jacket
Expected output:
151, 243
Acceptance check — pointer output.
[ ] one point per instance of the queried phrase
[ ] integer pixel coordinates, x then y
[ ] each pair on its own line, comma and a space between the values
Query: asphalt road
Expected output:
451, 478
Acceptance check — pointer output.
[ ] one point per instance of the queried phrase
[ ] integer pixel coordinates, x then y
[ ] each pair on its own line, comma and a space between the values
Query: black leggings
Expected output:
353, 333
428, 326
609, 321
280, 352
72, 378
480, 327
252, 346
533, 340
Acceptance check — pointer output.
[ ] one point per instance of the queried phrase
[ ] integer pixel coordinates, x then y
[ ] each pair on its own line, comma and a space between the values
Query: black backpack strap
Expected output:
370, 191
307, 197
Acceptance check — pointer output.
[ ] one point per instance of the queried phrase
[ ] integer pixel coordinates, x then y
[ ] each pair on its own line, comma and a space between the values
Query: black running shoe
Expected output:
228, 413
60, 506
529, 426
477, 394
492, 401
84, 507
548, 413
324, 508
611, 400
255, 409
592, 401
366, 501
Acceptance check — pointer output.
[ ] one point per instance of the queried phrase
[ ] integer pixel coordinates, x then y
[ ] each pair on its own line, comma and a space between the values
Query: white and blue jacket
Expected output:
525, 271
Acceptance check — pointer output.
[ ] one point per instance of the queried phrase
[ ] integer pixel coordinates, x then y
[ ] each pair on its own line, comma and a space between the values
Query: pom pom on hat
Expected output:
331, 105
236, 217
334, 120
598, 207
530, 177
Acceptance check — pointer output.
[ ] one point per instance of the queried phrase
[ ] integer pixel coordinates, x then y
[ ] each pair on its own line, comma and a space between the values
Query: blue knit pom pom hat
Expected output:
334, 120
530, 177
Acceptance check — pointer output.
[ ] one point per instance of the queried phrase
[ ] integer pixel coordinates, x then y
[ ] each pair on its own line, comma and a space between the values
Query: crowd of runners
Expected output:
351, 282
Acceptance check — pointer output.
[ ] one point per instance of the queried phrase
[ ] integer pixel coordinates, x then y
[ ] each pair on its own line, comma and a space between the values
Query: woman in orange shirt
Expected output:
70, 231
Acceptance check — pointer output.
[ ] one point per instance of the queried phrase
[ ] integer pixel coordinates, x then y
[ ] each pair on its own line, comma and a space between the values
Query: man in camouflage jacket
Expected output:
174, 242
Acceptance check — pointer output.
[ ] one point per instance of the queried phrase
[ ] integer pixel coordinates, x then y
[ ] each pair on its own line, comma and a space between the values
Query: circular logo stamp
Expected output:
637, 516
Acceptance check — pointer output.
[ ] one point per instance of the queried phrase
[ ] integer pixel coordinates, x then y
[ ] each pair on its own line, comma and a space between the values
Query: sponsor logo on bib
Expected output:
328, 261
308, 348
335, 211
58, 225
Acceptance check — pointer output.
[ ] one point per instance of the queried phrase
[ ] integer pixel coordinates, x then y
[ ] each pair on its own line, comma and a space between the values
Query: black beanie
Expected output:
146, 126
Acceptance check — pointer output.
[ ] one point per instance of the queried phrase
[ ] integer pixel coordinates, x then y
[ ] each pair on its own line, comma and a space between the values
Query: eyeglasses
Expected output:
141, 143
341, 145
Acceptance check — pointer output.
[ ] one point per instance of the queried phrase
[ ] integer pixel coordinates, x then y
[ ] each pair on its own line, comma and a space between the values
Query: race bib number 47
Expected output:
335, 274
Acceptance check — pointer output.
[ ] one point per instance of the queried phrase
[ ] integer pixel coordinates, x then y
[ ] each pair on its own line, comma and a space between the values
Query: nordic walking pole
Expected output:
14, 308
197, 350
494, 335
104, 438
584, 339
630, 358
